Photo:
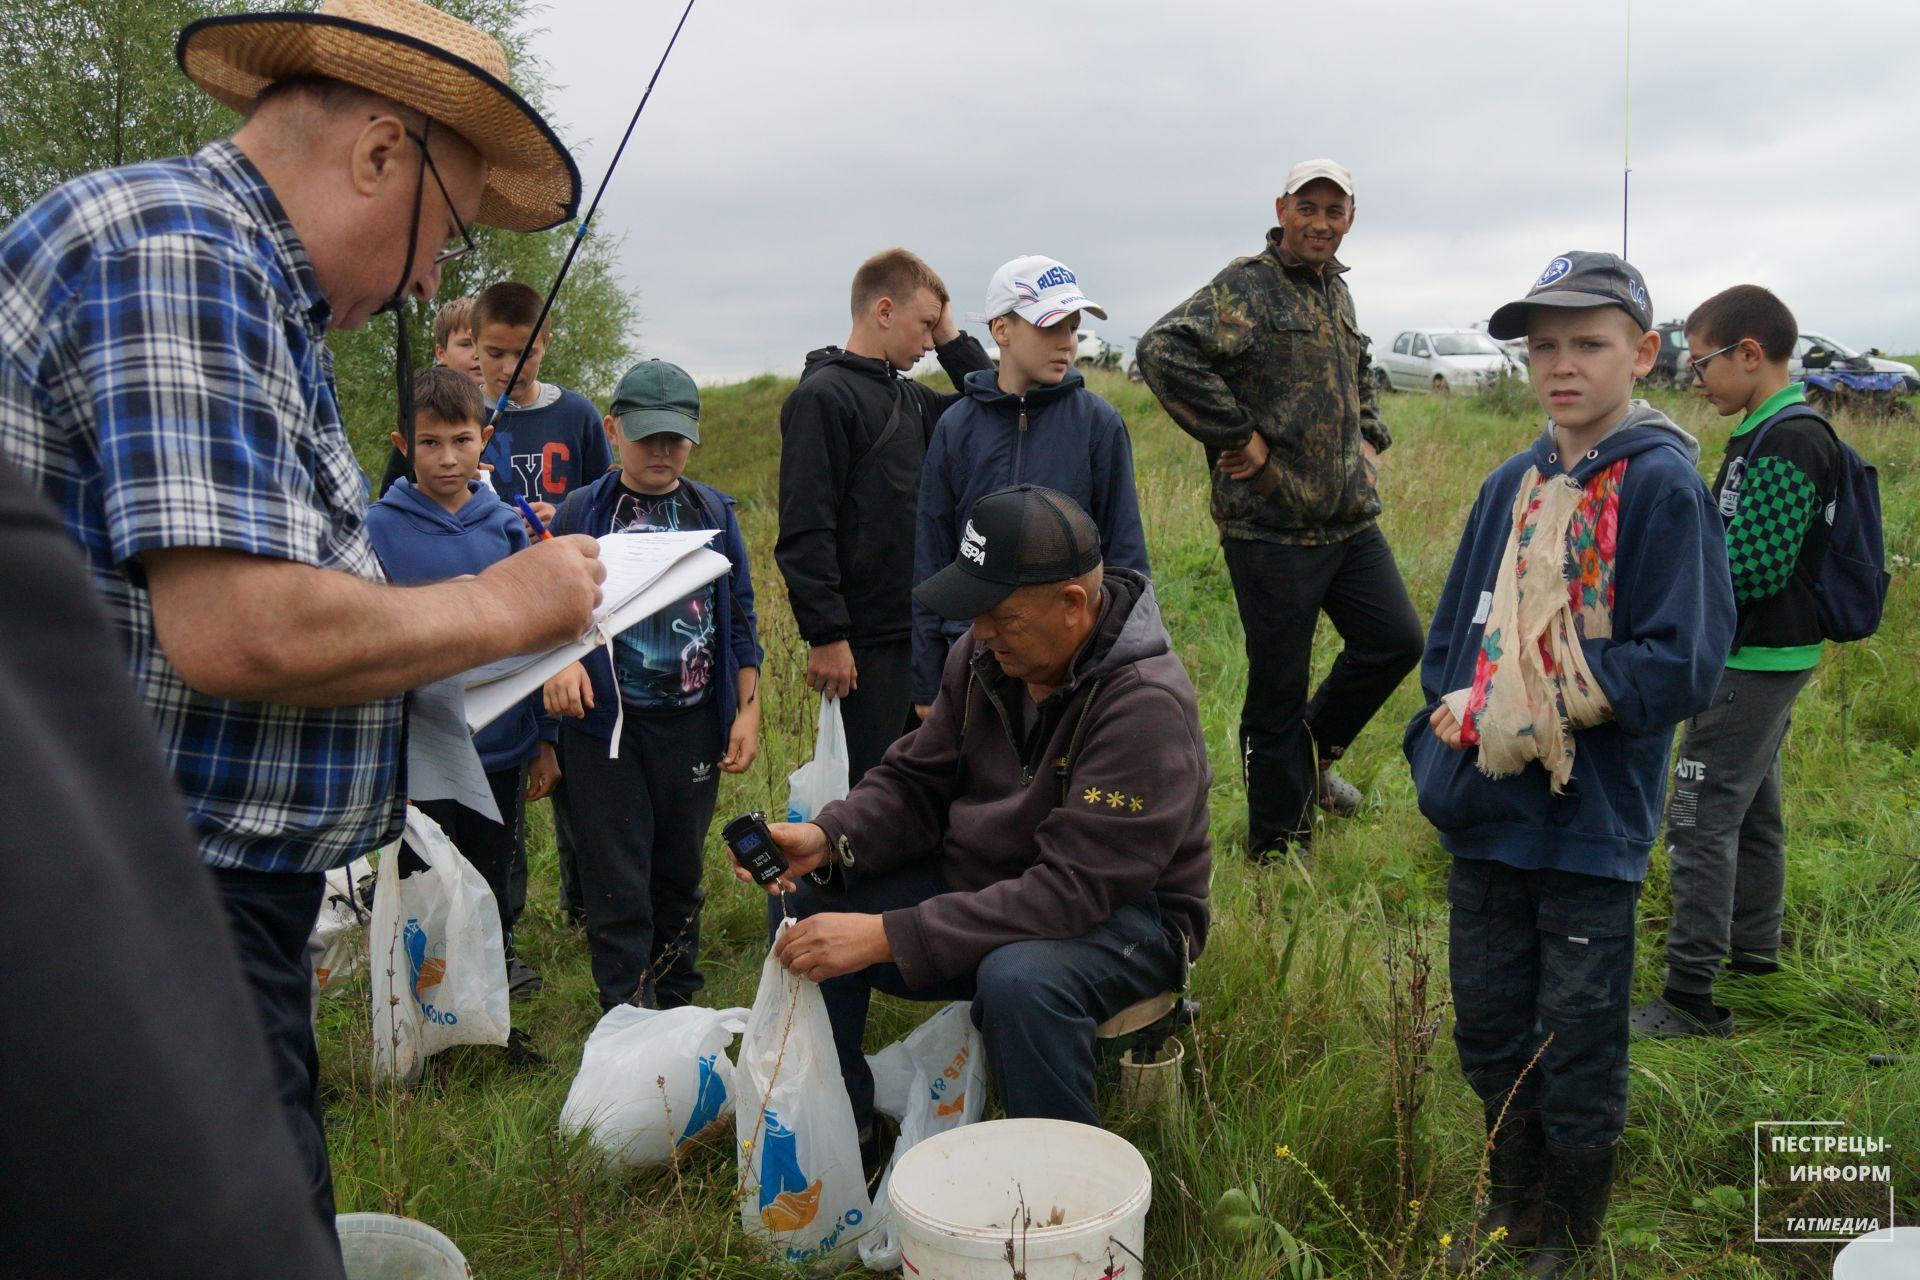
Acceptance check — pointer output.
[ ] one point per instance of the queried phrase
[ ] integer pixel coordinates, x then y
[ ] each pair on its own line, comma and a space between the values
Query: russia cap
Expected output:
1038, 290
1579, 278
1013, 538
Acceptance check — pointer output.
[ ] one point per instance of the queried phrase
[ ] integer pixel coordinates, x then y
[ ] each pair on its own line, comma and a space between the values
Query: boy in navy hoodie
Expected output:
685, 684
1587, 613
548, 442
445, 524
1031, 421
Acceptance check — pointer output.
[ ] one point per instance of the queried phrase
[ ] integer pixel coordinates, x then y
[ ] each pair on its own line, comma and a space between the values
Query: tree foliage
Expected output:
88, 84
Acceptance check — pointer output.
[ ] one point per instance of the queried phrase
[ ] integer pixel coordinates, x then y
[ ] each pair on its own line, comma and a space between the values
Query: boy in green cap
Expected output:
687, 680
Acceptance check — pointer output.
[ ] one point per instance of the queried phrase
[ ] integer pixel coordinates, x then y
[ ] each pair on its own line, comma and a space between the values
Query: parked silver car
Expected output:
1443, 360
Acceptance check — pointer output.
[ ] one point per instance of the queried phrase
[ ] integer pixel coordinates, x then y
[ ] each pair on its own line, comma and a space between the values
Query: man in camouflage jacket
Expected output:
1267, 368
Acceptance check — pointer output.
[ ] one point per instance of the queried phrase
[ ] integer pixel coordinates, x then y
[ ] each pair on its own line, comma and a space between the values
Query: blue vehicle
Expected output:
1836, 382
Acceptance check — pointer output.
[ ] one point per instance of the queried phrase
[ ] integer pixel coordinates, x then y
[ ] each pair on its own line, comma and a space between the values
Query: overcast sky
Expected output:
1143, 144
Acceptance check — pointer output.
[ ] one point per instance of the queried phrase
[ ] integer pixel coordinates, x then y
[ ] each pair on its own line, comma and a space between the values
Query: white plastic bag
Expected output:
653, 1079
338, 945
932, 1081
801, 1184
439, 971
823, 779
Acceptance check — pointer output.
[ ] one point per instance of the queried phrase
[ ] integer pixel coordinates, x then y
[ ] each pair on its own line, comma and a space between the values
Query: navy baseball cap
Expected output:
1579, 279
1014, 538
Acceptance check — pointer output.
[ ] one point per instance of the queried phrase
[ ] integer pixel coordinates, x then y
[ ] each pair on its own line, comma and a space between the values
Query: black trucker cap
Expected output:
1013, 538
1579, 279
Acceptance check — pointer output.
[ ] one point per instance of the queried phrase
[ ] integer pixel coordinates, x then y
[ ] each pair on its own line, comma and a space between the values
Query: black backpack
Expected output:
1850, 587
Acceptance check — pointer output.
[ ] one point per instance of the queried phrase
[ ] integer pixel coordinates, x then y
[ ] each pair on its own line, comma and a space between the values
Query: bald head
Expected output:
306, 112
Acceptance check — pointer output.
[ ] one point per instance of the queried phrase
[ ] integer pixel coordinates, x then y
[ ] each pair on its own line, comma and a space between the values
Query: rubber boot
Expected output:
1515, 1167
1579, 1181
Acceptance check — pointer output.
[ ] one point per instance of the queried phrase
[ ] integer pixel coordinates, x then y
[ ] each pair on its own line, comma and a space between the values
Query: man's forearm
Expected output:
261, 630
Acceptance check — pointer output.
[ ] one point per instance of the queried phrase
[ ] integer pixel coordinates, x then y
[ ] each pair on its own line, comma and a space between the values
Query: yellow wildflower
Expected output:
1446, 1240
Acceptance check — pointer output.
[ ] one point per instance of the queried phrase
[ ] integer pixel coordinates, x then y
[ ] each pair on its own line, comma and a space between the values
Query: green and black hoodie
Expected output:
1775, 507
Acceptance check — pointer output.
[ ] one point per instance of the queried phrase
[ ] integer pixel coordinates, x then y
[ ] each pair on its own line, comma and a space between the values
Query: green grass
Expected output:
1297, 1045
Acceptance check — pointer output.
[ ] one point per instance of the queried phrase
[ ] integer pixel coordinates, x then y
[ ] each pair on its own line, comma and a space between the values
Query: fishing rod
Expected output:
1626, 132
580, 232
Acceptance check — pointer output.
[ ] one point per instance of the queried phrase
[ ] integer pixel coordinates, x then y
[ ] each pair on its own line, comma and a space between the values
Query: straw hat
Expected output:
417, 56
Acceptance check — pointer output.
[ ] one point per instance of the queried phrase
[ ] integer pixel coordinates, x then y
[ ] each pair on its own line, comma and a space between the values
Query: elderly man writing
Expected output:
165, 384
1040, 844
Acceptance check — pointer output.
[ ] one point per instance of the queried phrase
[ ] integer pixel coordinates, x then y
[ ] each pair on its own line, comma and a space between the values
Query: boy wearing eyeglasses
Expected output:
1726, 845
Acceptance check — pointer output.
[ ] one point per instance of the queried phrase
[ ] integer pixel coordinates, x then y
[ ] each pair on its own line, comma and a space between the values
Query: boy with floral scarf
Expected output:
1587, 613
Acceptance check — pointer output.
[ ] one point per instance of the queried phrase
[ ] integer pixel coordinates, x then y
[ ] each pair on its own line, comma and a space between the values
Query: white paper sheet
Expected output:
633, 564
441, 761
490, 694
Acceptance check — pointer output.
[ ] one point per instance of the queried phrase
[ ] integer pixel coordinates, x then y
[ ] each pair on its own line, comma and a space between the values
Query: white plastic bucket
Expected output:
379, 1246
956, 1196
1892, 1254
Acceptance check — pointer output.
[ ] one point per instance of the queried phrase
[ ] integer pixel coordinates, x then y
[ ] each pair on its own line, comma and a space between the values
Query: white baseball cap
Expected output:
1038, 290
1311, 170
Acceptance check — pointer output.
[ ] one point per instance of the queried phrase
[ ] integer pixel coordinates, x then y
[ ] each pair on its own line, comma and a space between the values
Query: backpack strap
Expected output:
896, 418
1792, 413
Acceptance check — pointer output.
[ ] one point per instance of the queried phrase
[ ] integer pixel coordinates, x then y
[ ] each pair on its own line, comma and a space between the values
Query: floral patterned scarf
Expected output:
1532, 687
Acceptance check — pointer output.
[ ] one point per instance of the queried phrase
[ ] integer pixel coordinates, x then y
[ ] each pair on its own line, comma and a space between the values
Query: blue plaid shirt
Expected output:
165, 383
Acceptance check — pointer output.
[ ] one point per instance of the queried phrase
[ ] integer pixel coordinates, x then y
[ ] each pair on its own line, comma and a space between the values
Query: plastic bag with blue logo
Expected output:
652, 1080
439, 970
823, 779
801, 1184
932, 1081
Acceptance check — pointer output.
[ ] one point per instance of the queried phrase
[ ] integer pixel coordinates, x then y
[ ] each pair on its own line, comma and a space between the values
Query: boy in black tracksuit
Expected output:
1726, 845
682, 692
853, 437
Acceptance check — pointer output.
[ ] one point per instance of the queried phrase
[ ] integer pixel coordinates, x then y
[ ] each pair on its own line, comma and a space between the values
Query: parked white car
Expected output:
1841, 351
1443, 360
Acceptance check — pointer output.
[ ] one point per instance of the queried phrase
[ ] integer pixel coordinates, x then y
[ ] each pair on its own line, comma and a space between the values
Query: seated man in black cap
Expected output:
1040, 844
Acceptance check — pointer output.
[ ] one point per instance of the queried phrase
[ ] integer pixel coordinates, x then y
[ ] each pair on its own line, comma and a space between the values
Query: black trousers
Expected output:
563, 850
271, 914
492, 847
640, 825
1538, 953
1285, 735
880, 711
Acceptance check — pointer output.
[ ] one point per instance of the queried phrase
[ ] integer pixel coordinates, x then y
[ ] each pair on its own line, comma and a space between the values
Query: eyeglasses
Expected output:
1701, 363
466, 244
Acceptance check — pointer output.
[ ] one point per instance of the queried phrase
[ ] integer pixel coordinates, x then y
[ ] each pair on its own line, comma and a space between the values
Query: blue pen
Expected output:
540, 531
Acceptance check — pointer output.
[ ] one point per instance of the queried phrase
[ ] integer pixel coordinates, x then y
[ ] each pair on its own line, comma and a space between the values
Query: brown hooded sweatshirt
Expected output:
1043, 819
